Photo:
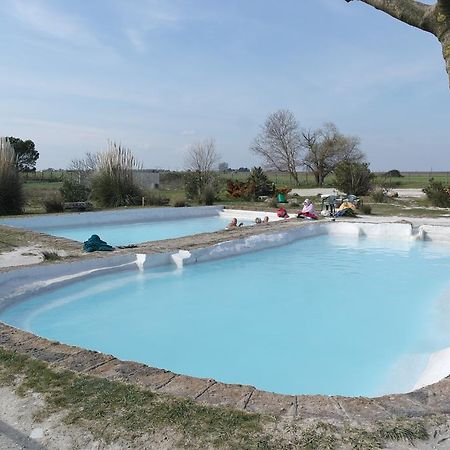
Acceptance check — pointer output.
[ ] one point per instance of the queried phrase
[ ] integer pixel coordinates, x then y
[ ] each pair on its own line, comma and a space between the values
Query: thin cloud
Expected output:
141, 18
56, 128
40, 18
188, 133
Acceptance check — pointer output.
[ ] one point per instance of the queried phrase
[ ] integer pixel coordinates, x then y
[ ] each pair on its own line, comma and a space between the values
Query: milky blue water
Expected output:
132, 233
322, 316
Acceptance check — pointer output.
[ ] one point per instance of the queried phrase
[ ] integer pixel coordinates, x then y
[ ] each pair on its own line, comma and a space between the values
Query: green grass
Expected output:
36, 193
128, 411
413, 180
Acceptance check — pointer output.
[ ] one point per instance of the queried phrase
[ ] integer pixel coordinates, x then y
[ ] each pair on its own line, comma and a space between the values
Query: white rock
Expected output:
37, 433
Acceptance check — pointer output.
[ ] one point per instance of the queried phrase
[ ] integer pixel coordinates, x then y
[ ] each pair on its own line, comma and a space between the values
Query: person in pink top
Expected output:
308, 210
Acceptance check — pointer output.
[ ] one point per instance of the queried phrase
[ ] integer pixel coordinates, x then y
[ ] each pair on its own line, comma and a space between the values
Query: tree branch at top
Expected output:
412, 12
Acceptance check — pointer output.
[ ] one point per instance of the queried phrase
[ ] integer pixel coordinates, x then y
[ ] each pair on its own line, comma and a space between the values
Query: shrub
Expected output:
260, 183
353, 177
438, 194
73, 191
156, 199
273, 202
50, 255
365, 209
11, 193
208, 196
201, 186
113, 183
256, 185
238, 189
379, 195
53, 205
393, 173
179, 202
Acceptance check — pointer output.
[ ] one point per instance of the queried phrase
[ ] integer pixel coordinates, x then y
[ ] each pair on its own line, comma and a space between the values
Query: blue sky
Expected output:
158, 75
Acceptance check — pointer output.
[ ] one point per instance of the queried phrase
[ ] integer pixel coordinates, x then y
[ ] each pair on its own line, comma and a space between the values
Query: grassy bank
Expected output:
113, 410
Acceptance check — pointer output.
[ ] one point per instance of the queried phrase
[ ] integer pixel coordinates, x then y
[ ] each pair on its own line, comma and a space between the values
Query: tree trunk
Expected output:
442, 30
297, 183
317, 178
432, 18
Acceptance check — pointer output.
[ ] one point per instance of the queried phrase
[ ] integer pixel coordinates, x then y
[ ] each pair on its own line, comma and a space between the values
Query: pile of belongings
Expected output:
94, 243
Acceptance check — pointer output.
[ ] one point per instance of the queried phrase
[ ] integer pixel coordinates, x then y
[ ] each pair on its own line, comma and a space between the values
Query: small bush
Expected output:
365, 209
379, 196
53, 205
438, 194
179, 203
393, 173
113, 183
50, 255
353, 177
73, 191
156, 199
11, 193
273, 202
208, 196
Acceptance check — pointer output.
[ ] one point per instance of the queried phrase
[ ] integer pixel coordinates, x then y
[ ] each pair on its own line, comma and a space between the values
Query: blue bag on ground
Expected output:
94, 243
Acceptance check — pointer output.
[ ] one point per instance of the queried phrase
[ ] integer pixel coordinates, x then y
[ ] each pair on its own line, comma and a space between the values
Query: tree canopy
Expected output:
279, 143
326, 147
26, 154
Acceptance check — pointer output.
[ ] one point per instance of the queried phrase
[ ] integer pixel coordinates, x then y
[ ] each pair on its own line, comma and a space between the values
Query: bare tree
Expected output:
279, 143
433, 18
202, 156
326, 147
201, 179
86, 166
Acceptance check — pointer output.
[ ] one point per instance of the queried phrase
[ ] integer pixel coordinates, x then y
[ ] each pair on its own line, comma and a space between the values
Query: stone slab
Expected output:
404, 405
10, 335
362, 409
318, 407
151, 378
185, 386
235, 395
83, 361
438, 396
117, 370
274, 404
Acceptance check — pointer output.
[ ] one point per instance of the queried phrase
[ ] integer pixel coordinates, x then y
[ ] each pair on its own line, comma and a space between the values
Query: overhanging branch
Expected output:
412, 12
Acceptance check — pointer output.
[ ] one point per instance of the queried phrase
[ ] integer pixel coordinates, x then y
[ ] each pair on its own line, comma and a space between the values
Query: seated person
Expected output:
282, 212
266, 219
346, 209
308, 210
